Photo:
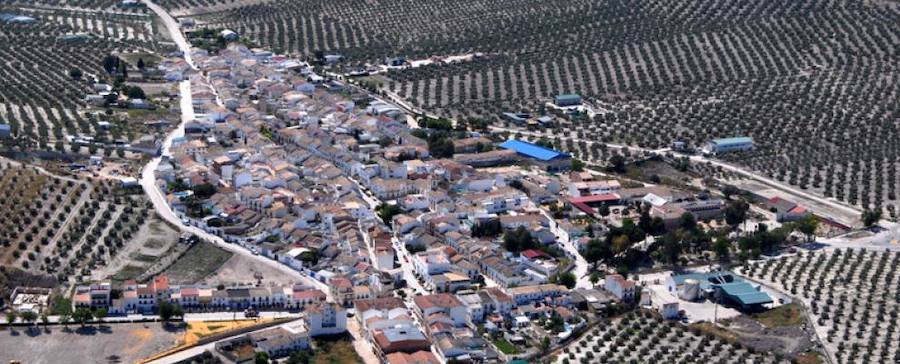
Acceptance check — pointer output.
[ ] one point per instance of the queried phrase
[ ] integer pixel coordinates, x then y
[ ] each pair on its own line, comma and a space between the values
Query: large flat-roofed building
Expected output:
549, 159
726, 145
567, 100
723, 286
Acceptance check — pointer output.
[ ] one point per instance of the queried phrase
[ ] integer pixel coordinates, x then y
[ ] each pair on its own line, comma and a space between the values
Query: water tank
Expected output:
690, 290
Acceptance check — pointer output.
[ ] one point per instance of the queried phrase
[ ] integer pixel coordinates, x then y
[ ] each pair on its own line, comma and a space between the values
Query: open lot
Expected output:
113, 343
197, 263
240, 269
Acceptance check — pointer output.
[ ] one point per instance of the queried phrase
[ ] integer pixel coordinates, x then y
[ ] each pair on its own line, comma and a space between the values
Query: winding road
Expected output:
148, 182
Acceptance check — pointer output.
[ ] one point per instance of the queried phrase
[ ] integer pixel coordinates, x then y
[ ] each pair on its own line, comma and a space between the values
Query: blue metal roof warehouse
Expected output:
730, 286
532, 150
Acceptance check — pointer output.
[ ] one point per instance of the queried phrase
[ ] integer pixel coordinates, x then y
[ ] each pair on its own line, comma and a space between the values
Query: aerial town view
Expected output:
467, 181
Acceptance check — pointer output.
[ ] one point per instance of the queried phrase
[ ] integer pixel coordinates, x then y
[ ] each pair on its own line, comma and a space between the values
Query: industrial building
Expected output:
548, 159
723, 287
567, 100
727, 145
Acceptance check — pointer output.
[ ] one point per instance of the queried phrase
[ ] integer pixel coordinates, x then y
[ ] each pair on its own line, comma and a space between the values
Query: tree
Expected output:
204, 190
620, 243
577, 165
722, 248
299, 357
110, 63
387, 212
671, 248
617, 163
11, 316
595, 277
687, 222
487, 229
178, 311
101, 313
545, 344
440, 146
135, 92
871, 217
518, 240
76, 73
603, 210
44, 319
261, 358
729, 190
64, 319
82, 315
807, 226
567, 279
140, 64
736, 212
597, 250
166, 310
29, 317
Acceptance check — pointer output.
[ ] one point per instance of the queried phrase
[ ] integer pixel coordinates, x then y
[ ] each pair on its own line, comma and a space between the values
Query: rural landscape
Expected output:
512, 181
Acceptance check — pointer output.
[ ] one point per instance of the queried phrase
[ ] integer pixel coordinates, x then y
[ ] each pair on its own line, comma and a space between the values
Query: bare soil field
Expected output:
112, 343
242, 270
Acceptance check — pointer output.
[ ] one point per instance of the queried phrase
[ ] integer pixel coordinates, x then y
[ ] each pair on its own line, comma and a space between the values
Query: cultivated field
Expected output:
40, 97
853, 297
38, 209
642, 337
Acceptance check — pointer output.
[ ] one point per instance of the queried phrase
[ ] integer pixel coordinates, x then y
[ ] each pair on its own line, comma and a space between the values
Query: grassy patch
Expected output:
127, 272
786, 315
201, 260
60, 305
506, 347
335, 351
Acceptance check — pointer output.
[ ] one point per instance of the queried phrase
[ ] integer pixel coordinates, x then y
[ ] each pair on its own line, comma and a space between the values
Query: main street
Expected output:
148, 182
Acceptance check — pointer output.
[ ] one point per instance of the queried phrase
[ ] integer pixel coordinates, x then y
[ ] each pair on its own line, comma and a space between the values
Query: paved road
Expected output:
174, 30
188, 317
164, 210
583, 279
